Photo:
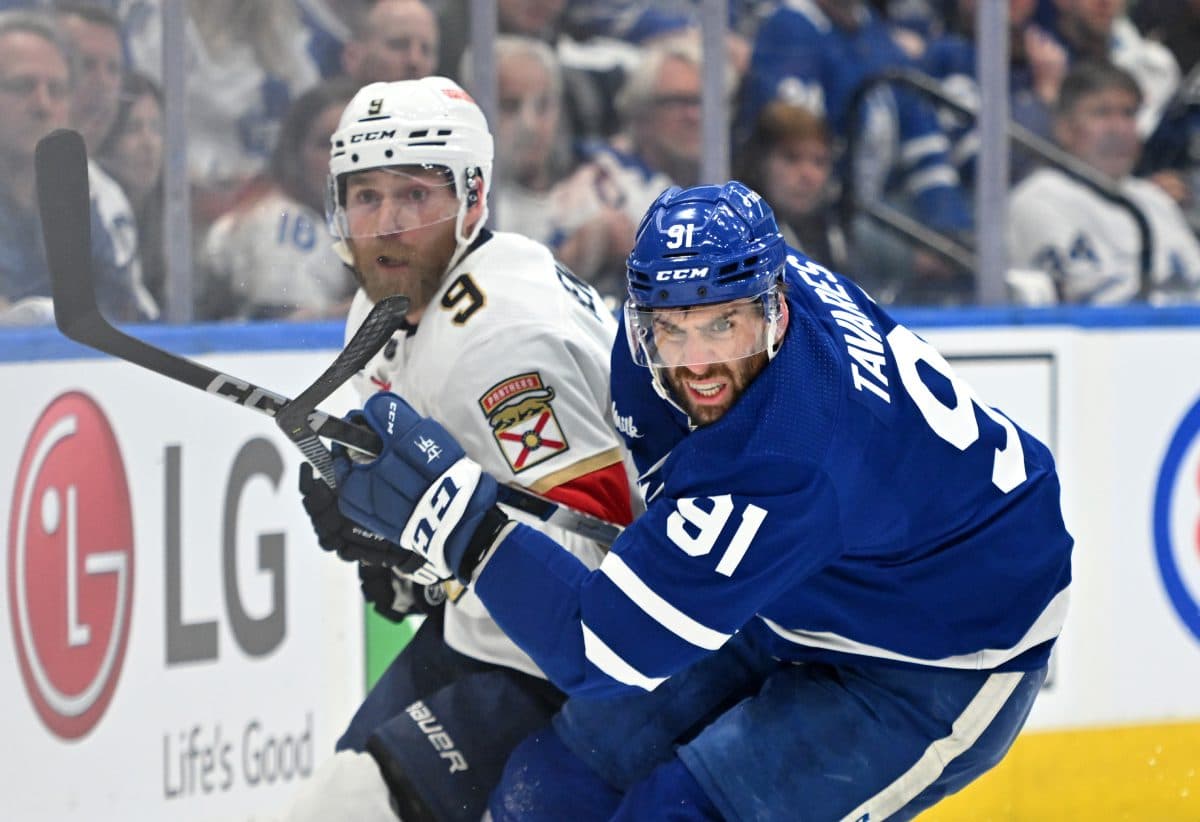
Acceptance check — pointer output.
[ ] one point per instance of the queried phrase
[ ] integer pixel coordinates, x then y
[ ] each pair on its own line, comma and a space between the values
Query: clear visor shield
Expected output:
699, 335
382, 201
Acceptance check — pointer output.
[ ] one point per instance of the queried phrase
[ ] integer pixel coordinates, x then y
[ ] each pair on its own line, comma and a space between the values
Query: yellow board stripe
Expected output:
1142, 772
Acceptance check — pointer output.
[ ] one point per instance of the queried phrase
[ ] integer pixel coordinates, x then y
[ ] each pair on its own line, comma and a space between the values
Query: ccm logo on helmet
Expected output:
368, 136
681, 274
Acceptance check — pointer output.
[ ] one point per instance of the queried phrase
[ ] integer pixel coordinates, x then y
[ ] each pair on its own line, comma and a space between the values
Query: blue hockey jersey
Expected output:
801, 56
857, 503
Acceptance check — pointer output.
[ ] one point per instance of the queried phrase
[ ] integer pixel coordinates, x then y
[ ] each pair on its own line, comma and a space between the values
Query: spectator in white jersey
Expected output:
512, 350
246, 62
36, 75
268, 258
94, 33
133, 155
1088, 245
392, 40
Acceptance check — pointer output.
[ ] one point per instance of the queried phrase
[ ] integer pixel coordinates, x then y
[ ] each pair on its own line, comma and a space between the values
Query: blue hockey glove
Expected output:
422, 492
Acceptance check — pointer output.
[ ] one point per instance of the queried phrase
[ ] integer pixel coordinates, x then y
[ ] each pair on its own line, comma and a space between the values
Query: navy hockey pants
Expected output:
441, 725
810, 741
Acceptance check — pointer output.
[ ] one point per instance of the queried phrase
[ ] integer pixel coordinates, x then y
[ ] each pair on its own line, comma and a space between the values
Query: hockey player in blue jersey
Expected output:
842, 597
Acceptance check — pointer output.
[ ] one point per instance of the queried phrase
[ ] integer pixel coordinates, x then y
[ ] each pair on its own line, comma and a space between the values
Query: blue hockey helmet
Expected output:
698, 247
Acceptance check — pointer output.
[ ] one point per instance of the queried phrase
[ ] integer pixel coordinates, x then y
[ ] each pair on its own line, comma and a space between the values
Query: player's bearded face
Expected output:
402, 232
706, 392
720, 350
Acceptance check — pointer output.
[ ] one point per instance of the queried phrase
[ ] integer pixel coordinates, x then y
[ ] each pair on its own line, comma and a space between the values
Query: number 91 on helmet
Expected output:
705, 278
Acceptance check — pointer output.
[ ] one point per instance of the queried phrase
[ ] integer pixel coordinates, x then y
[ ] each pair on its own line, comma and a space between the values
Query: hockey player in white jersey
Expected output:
1091, 247
512, 351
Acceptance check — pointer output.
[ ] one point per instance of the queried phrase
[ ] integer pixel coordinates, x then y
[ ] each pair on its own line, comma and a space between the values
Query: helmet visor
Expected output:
703, 334
381, 201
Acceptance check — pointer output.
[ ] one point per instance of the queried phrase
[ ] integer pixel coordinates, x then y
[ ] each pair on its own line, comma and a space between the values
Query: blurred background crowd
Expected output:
855, 119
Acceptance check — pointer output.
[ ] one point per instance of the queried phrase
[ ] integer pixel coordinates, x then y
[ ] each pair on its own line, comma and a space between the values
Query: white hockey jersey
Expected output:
1091, 247
512, 357
116, 216
273, 257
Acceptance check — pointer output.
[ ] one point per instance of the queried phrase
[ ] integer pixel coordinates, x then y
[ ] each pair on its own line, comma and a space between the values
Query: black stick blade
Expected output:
64, 203
300, 420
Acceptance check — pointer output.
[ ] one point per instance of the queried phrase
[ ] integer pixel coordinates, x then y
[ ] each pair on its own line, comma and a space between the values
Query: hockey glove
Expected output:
422, 491
394, 596
345, 538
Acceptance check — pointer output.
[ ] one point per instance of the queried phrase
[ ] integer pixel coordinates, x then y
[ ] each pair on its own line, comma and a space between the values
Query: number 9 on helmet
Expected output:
697, 248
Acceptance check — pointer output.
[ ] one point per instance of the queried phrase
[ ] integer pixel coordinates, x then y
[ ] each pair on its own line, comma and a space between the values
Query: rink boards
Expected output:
180, 649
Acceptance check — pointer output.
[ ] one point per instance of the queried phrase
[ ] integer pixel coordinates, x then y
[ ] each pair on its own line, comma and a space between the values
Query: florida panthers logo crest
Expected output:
523, 421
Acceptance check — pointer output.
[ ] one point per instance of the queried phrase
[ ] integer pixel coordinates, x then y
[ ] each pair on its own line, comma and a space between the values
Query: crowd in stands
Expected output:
599, 109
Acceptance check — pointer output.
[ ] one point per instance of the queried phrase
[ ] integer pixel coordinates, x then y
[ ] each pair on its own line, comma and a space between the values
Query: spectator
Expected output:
1086, 244
393, 40
94, 33
1098, 30
535, 155
269, 257
591, 76
133, 155
819, 54
35, 93
245, 62
659, 147
1038, 63
789, 158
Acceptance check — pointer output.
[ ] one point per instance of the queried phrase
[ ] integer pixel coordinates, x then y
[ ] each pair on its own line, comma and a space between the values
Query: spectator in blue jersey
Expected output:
35, 97
819, 53
1038, 63
841, 599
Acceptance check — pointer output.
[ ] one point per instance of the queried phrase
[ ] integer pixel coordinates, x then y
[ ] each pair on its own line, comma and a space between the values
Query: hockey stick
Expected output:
295, 418
64, 205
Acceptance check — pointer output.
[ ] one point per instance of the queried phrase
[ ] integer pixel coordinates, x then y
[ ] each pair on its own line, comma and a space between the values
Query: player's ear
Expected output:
782, 325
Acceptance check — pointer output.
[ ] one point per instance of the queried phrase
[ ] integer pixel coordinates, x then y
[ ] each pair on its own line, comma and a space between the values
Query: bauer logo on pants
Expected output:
1177, 520
518, 409
70, 565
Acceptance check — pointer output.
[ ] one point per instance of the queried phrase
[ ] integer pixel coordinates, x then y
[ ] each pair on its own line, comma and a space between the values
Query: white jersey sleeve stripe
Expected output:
966, 730
1047, 627
920, 147
607, 660
939, 175
663, 612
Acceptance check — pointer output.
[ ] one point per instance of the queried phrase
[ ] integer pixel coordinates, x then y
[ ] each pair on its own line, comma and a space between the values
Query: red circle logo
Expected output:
70, 565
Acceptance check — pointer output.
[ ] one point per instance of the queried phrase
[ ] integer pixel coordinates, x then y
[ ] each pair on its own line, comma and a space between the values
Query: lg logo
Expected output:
71, 565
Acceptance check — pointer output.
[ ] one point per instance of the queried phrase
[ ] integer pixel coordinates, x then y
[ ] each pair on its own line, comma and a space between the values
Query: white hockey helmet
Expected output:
426, 122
